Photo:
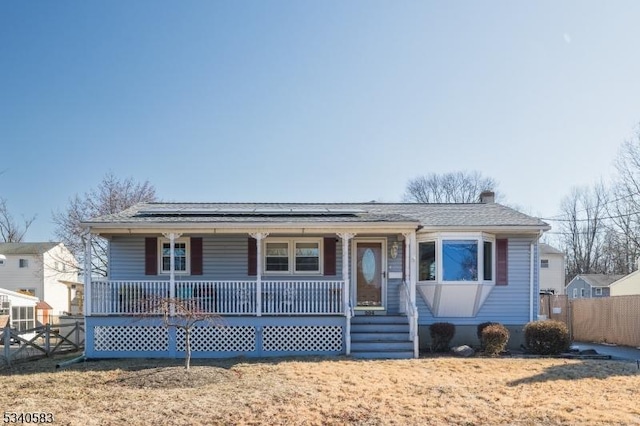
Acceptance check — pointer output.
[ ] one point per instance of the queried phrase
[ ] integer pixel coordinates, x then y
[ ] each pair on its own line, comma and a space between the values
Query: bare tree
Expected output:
10, 230
181, 314
454, 187
111, 196
584, 230
624, 210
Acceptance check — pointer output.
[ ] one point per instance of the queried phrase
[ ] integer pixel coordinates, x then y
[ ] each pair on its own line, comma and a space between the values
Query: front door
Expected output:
370, 274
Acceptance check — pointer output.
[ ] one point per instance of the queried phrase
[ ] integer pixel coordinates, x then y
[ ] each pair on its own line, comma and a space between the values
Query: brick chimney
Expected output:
487, 197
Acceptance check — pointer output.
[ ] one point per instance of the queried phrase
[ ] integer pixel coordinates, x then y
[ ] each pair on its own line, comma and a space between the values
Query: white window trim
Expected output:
291, 252
598, 291
582, 292
479, 237
575, 293
430, 240
187, 243
17, 319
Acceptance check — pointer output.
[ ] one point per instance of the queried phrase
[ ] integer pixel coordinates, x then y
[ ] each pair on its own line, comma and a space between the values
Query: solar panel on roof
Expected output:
248, 210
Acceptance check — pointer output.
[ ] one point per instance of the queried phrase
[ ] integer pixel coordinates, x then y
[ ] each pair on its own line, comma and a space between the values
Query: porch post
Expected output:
345, 237
407, 257
259, 236
412, 275
87, 274
172, 269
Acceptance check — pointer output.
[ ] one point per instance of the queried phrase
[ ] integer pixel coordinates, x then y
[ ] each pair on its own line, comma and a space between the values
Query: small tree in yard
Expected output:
182, 314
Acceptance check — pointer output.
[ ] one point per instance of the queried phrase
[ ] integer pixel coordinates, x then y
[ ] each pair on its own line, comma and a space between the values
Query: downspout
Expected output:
531, 275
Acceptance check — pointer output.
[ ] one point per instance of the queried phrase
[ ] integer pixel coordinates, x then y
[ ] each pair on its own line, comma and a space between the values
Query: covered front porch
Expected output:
267, 311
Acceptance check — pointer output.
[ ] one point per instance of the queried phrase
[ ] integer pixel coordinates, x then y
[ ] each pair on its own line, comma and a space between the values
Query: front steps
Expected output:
380, 337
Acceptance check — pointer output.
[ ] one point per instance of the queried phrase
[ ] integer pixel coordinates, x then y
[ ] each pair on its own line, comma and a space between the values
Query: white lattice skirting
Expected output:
130, 338
302, 338
220, 339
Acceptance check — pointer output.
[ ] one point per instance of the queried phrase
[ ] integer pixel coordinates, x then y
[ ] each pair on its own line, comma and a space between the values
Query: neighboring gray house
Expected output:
552, 273
585, 286
362, 279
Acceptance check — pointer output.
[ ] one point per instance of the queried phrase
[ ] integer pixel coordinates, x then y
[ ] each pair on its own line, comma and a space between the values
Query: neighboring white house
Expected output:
40, 270
552, 273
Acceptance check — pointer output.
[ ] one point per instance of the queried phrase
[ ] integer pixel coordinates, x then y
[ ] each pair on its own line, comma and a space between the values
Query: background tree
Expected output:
583, 230
624, 210
454, 187
10, 230
111, 196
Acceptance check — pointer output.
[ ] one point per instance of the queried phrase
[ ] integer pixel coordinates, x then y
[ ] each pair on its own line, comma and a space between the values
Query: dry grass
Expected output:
328, 391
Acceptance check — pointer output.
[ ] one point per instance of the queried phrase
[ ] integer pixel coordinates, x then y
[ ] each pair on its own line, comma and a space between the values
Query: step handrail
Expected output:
412, 314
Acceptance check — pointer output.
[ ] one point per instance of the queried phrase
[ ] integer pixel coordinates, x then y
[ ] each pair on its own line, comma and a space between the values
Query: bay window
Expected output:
457, 258
458, 270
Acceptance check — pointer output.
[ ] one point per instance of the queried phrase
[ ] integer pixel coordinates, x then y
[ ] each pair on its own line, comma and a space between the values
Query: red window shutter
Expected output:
196, 256
404, 260
151, 256
502, 264
252, 257
330, 256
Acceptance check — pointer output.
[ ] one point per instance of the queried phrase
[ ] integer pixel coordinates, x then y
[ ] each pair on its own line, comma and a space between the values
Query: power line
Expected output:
587, 209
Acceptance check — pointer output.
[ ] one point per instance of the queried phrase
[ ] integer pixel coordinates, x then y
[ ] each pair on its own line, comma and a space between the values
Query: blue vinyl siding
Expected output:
589, 292
506, 304
224, 258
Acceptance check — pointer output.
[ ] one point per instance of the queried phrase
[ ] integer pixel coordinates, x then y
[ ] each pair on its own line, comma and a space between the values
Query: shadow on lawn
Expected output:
588, 369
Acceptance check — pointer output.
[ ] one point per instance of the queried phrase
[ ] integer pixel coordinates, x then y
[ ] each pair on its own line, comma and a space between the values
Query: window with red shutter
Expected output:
502, 264
252, 257
196, 256
330, 256
151, 256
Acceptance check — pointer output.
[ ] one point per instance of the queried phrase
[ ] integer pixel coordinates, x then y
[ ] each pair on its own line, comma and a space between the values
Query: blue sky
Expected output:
311, 100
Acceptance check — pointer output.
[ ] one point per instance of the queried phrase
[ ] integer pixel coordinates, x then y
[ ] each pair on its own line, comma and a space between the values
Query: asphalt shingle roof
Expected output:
427, 215
26, 248
600, 280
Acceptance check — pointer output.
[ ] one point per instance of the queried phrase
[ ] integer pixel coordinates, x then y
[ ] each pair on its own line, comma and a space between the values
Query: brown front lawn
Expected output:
474, 391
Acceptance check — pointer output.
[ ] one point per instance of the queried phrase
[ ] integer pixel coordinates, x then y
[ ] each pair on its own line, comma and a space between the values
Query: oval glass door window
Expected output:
368, 265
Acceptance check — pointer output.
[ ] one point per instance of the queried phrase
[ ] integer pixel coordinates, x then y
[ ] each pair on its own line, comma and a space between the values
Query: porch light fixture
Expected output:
394, 250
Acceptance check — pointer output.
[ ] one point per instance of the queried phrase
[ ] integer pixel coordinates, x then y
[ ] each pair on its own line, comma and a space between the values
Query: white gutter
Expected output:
227, 227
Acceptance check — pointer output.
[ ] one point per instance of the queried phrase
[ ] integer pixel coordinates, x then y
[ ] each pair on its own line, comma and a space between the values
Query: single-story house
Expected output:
362, 279
590, 286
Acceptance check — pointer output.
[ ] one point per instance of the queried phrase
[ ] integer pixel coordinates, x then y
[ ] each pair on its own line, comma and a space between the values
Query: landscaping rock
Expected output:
463, 351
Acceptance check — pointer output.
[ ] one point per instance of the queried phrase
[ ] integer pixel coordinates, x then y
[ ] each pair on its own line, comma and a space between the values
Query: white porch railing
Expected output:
411, 310
110, 297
